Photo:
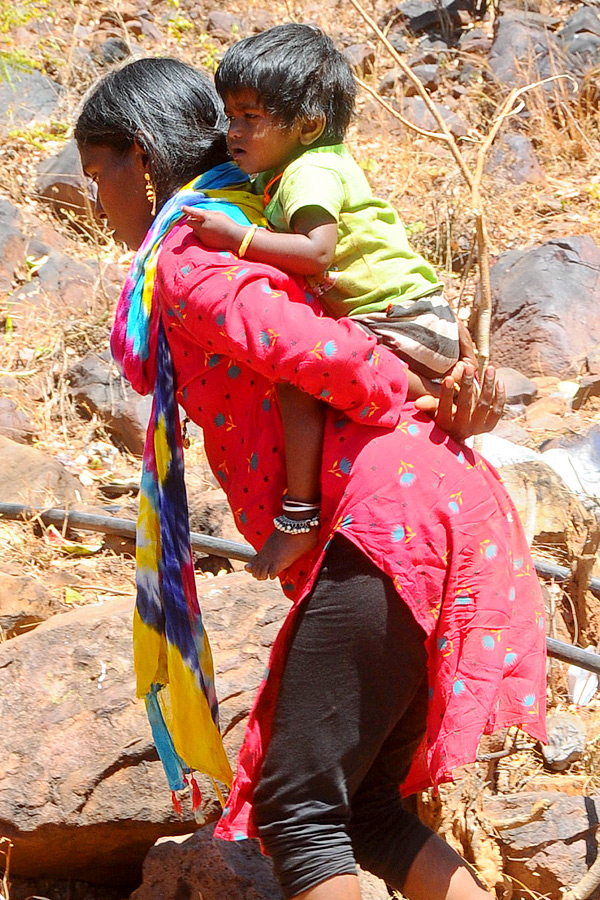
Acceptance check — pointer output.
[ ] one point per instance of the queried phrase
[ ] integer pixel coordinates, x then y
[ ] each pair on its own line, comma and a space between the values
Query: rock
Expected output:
519, 388
61, 181
222, 23
414, 109
550, 513
581, 38
31, 477
524, 50
510, 431
76, 750
13, 246
552, 848
547, 413
26, 98
475, 40
361, 57
24, 602
588, 387
546, 302
422, 15
70, 282
210, 513
97, 387
566, 741
428, 74
111, 51
513, 160
14, 423
577, 457
398, 42
82, 793
197, 865
62, 286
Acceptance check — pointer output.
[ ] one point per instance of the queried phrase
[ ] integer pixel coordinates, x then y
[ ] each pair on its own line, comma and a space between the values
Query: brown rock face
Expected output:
82, 793
549, 850
197, 865
24, 601
29, 476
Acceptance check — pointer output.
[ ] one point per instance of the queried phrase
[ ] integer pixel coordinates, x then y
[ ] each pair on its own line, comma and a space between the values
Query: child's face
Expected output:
256, 140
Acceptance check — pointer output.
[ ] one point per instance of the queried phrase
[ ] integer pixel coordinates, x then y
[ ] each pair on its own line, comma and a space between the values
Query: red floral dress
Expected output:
429, 512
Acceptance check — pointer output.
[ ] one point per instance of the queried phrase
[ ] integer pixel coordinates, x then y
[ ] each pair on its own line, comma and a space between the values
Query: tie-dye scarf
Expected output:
172, 657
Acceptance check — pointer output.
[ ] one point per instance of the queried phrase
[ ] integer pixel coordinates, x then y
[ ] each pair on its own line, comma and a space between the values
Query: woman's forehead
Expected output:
97, 156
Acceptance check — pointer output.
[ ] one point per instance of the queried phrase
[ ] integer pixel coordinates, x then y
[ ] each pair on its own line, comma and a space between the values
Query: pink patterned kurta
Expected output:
427, 511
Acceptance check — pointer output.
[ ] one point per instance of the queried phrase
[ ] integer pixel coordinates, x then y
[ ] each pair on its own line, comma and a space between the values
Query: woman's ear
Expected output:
140, 155
312, 129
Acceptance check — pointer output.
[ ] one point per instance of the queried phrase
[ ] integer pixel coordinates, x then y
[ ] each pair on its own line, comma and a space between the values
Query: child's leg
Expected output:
423, 332
303, 420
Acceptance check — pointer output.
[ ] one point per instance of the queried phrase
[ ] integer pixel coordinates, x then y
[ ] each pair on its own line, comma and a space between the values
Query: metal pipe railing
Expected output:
205, 543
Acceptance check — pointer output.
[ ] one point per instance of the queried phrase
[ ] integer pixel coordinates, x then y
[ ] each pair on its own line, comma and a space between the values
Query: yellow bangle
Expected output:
246, 240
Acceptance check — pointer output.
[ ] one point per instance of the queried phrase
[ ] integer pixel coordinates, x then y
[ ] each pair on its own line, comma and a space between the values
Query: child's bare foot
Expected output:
279, 551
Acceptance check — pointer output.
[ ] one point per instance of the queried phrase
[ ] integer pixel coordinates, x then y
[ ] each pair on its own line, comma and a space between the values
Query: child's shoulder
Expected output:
333, 156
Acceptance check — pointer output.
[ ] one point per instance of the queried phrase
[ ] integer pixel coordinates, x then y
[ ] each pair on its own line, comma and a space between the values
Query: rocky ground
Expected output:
81, 793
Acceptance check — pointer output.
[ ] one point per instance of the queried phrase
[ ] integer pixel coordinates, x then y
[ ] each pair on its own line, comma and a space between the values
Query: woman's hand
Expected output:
460, 407
214, 229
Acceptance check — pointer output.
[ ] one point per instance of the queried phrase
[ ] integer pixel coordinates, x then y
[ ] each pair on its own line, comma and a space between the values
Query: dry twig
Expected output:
511, 106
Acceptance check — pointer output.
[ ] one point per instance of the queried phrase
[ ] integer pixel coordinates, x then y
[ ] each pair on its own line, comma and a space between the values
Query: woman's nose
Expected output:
94, 200
99, 209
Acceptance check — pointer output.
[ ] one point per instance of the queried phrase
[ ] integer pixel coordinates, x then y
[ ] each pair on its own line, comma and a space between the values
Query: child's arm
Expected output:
308, 251
303, 419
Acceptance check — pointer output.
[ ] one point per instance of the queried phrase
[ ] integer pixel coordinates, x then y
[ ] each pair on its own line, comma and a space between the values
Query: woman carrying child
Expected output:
417, 619
289, 95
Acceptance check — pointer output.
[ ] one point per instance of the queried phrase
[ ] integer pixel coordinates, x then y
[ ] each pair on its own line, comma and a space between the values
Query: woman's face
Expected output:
121, 199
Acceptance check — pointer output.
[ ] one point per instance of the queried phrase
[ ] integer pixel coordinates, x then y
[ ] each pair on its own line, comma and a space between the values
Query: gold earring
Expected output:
150, 193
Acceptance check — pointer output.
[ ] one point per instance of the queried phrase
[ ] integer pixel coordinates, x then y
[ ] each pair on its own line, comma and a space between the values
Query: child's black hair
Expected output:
297, 72
170, 108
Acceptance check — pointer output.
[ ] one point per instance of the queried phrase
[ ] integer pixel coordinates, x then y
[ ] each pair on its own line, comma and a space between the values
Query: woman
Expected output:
417, 621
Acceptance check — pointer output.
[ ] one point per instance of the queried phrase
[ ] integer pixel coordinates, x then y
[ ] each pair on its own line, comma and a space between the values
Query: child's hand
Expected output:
214, 229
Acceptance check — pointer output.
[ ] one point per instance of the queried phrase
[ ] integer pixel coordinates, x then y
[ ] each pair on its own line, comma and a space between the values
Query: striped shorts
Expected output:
422, 332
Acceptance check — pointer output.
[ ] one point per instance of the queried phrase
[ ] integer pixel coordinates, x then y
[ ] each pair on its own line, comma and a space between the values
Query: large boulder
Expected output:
546, 307
82, 793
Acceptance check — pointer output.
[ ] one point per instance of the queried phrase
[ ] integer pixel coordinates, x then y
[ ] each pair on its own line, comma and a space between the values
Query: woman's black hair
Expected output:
296, 72
170, 108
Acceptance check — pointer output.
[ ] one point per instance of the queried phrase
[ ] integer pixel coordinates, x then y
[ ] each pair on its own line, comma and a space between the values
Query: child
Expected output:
288, 95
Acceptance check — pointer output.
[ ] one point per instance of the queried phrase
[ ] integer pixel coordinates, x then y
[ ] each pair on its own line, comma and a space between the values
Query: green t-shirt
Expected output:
374, 264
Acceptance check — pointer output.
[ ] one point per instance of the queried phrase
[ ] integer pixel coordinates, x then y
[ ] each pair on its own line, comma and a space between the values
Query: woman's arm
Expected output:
260, 316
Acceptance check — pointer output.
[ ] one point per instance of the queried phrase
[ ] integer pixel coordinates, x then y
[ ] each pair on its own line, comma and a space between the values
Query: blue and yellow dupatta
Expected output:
172, 656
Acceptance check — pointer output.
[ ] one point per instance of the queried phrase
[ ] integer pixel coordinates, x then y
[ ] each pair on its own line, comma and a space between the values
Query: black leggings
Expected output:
350, 715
